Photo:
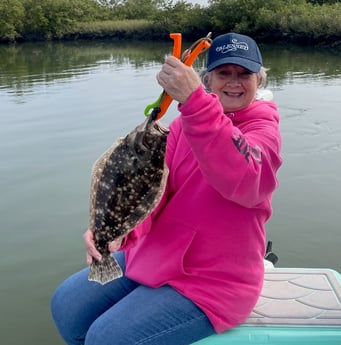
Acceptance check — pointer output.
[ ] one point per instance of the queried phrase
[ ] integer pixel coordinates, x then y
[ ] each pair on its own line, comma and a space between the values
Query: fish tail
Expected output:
105, 270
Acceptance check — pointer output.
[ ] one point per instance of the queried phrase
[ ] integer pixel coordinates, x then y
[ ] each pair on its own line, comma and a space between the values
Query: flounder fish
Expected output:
127, 183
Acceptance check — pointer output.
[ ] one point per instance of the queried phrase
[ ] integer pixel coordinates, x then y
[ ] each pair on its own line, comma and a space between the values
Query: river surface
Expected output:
63, 104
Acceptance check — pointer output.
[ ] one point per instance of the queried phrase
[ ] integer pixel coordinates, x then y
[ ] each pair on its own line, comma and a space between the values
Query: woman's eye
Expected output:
246, 75
224, 74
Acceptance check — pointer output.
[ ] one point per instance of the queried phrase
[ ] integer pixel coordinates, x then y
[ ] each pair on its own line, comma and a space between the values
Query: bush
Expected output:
119, 29
12, 14
51, 18
312, 21
293, 20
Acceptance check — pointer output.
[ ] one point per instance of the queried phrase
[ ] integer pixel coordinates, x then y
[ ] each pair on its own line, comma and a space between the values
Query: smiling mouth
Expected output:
233, 94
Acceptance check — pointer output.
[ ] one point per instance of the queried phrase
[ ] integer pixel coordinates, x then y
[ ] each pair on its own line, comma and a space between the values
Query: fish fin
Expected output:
105, 270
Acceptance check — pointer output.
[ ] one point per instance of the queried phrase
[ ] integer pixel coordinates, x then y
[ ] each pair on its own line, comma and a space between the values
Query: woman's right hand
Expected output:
177, 79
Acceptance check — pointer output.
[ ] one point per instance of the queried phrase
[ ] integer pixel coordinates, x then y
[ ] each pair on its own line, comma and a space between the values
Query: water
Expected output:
62, 105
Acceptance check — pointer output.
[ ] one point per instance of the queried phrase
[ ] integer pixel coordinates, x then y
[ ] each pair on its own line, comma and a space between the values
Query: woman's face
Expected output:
235, 86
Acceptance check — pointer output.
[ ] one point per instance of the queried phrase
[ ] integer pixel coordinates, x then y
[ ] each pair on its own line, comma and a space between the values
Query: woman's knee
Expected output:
59, 313
107, 331
66, 311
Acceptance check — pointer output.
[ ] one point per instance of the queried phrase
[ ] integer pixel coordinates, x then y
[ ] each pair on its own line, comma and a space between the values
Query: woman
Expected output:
195, 266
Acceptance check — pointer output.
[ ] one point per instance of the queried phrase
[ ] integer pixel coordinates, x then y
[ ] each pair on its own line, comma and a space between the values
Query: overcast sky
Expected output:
200, 2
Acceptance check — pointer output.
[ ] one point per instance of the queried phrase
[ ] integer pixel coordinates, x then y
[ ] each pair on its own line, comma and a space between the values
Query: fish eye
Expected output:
146, 143
142, 146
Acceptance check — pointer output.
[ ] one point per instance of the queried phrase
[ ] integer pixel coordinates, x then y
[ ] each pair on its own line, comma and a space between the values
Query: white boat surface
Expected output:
297, 306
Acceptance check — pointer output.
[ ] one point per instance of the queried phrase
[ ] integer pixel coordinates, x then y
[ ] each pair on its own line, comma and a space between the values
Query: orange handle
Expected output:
162, 104
166, 99
202, 46
177, 44
165, 102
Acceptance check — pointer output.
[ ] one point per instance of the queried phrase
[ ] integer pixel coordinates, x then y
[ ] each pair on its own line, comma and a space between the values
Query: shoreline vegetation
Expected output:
306, 22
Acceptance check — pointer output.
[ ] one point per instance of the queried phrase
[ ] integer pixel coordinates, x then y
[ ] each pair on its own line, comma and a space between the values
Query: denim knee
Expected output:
66, 312
59, 313
61, 316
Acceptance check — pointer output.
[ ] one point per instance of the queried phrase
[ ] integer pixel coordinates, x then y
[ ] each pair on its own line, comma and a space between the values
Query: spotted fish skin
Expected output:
127, 183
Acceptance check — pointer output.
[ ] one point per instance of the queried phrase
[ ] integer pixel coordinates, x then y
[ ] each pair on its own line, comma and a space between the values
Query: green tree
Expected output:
138, 9
12, 14
250, 16
173, 16
51, 18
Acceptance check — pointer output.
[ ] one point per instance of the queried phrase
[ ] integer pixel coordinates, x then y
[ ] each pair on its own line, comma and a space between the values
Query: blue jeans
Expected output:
123, 312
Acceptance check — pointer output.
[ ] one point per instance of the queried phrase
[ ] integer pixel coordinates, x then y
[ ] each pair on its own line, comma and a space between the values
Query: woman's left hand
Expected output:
177, 79
90, 248
92, 252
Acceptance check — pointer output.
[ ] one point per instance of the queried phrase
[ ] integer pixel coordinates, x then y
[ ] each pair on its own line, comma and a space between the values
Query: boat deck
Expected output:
297, 306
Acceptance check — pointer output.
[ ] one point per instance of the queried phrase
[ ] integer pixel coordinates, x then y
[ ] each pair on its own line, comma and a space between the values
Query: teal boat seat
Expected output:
297, 306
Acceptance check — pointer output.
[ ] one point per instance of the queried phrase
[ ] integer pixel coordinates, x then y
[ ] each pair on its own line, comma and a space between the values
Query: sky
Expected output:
200, 2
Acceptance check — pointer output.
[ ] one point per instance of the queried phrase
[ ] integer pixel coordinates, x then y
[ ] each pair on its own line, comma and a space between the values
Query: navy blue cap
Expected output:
234, 49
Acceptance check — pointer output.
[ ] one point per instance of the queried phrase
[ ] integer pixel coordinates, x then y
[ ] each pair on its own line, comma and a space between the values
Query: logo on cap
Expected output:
236, 49
232, 47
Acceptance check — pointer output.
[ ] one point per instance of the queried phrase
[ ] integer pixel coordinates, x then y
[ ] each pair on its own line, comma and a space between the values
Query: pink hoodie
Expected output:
206, 239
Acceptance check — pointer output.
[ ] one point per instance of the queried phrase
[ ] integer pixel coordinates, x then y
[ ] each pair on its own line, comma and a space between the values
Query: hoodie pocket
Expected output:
159, 257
